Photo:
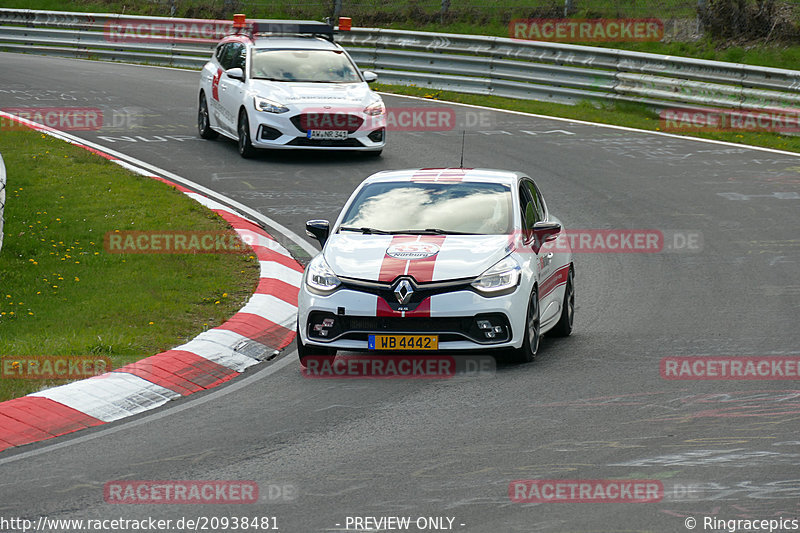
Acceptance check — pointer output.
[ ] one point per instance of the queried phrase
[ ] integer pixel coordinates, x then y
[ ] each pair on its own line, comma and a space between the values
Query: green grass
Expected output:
623, 114
62, 294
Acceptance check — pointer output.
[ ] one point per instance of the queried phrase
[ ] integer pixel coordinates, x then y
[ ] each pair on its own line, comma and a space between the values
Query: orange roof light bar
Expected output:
239, 21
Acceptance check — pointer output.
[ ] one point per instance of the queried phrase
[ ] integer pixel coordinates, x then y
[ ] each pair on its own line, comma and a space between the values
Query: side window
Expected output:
228, 55
537, 200
240, 58
527, 209
220, 55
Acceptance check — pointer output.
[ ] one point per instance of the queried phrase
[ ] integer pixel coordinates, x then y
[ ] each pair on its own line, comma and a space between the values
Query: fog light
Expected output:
498, 329
484, 324
327, 323
318, 327
490, 335
323, 333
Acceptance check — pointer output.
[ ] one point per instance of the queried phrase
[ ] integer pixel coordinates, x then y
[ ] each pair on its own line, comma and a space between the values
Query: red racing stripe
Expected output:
556, 279
391, 266
422, 269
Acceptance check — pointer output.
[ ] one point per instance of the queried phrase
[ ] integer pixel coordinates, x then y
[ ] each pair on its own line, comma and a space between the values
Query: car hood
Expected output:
303, 95
424, 257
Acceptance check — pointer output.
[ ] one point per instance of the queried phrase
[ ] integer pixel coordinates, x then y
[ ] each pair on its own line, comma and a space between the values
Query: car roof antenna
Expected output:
463, 135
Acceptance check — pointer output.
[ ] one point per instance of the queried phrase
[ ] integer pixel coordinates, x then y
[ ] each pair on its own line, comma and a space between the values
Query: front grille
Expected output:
343, 143
422, 291
448, 328
327, 121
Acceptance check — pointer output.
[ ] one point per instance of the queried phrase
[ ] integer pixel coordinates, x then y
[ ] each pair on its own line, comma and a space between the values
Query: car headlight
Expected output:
320, 278
375, 109
269, 106
504, 275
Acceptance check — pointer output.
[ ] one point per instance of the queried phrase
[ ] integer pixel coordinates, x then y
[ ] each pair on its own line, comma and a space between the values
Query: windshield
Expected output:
327, 66
458, 207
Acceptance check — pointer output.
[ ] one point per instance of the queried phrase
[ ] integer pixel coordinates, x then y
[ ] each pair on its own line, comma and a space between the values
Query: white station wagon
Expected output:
286, 84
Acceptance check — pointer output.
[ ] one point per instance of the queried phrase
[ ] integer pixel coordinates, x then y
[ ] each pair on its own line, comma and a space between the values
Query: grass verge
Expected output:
621, 114
62, 294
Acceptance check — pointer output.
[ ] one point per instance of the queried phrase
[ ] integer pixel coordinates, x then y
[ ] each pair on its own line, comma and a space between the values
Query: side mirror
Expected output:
544, 232
369, 76
235, 73
319, 229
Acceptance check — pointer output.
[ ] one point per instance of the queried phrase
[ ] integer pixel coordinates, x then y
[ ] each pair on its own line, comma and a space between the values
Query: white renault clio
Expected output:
286, 84
438, 259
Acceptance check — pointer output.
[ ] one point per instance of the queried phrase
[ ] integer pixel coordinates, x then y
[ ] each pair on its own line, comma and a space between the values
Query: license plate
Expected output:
336, 135
403, 342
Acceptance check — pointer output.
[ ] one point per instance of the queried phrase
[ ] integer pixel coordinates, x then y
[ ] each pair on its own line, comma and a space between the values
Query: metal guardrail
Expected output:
513, 68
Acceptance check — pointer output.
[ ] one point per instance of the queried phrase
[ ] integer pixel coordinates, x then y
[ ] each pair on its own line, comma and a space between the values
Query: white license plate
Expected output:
327, 134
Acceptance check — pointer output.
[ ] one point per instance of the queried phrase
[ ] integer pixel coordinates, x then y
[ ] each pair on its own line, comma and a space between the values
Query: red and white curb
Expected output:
264, 325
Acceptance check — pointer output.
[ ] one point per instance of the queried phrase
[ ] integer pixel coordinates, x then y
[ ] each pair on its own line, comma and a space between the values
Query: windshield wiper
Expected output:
432, 231
365, 230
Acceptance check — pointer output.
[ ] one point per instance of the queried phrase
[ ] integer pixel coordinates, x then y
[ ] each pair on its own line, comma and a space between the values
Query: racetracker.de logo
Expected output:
434, 118
587, 30
585, 490
730, 368
175, 242
382, 367
166, 30
398, 367
734, 120
180, 492
53, 366
59, 118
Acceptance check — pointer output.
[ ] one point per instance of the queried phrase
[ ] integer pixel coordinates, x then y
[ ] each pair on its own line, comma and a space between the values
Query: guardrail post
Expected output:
2, 197
445, 9
569, 7
337, 9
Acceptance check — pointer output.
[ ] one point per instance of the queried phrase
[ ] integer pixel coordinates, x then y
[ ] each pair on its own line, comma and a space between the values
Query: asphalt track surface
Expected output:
592, 406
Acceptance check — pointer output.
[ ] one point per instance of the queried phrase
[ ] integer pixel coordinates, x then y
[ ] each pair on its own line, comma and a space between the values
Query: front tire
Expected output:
530, 343
564, 326
246, 149
203, 121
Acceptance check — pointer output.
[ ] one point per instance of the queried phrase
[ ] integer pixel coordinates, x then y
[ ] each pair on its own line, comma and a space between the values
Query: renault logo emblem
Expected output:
403, 291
